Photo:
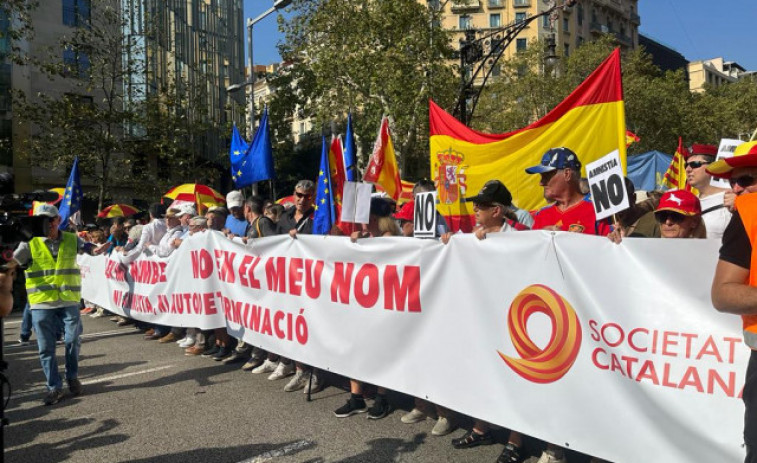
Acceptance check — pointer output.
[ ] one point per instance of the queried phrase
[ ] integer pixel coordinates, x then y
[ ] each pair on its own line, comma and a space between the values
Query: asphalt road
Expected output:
147, 402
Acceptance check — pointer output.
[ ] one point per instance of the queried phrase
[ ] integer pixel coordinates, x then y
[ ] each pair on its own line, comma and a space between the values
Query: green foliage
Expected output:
374, 58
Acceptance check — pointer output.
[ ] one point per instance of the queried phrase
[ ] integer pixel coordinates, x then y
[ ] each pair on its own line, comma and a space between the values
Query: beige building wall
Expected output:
583, 22
715, 72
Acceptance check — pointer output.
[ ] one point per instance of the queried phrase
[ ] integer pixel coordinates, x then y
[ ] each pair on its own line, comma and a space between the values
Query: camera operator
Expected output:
53, 284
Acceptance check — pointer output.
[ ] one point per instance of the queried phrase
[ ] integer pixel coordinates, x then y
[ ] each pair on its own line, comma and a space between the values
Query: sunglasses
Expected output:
303, 195
482, 206
664, 216
742, 181
697, 164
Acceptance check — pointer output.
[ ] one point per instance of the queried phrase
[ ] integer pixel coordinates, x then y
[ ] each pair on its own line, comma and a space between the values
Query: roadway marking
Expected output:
100, 380
280, 452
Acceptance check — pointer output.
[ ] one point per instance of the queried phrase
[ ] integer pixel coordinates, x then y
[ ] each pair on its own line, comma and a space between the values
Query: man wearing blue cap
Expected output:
560, 172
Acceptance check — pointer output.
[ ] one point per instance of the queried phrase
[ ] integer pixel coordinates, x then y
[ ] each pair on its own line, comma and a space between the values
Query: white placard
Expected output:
356, 202
725, 150
424, 215
608, 189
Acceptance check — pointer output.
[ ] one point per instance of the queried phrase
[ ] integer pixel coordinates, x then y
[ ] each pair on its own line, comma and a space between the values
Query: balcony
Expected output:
495, 4
597, 28
521, 3
465, 6
623, 39
635, 18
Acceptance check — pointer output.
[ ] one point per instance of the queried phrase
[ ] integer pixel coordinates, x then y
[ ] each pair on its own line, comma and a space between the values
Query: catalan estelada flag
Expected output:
590, 121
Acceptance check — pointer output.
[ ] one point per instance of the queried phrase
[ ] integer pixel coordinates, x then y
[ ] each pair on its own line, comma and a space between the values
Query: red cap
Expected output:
406, 211
706, 150
681, 201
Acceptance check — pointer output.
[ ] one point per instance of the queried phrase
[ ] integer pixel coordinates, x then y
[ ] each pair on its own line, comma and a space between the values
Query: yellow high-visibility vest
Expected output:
49, 280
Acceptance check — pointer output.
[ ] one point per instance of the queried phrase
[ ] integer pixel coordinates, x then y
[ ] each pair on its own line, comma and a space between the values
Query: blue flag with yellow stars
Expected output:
237, 151
71, 202
256, 162
325, 215
350, 157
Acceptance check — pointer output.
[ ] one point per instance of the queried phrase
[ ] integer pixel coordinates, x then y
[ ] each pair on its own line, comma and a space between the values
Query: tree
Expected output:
375, 58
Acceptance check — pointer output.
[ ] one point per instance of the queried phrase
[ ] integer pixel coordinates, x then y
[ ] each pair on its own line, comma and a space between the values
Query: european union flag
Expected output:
71, 202
256, 163
350, 154
325, 215
238, 149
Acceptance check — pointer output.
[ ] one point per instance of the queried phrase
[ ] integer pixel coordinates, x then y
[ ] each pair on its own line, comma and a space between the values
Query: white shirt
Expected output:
165, 247
152, 233
716, 220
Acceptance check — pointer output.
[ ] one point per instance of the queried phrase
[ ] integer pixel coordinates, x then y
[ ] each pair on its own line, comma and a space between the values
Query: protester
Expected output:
680, 215
560, 171
638, 221
53, 283
734, 287
216, 216
152, 233
716, 202
236, 224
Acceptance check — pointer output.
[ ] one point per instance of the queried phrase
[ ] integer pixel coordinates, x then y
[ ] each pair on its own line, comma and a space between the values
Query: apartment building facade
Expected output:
715, 72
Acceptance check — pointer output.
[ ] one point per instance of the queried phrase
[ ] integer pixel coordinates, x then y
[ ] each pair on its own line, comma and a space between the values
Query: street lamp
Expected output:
277, 5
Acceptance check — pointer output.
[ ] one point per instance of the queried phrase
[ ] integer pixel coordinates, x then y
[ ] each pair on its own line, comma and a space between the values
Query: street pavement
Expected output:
148, 402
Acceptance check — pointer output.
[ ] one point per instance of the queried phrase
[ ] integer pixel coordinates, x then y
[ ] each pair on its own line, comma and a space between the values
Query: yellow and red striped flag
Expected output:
675, 176
382, 168
590, 121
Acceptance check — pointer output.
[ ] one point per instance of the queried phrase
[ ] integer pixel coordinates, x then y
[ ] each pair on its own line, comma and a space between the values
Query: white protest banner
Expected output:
725, 150
424, 215
566, 337
356, 202
608, 189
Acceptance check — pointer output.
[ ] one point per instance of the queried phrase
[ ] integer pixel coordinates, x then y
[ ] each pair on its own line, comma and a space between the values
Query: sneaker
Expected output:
473, 439
282, 371
88, 310
511, 454
53, 397
99, 314
550, 456
187, 342
170, 337
442, 427
124, 321
380, 408
23, 342
235, 357
194, 351
222, 353
298, 381
267, 366
254, 363
211, 351
414, 416
315, 384
353, 406
179, 341
74, 386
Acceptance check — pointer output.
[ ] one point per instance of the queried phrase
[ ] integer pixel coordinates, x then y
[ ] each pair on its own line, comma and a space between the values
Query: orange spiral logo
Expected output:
551, 363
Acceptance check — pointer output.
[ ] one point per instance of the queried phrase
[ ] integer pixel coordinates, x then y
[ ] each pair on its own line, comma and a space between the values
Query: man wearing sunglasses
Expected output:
734, 287
716, 202
680, 215
560, 172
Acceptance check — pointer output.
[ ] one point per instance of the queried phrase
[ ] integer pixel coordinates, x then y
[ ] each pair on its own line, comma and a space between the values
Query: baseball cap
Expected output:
493, 191
187, 209
745, 155
554, 159
48, 210
680, 201
406, 211
234, 199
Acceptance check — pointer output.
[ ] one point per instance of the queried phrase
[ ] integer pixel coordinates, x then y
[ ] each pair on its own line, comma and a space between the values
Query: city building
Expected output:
663, 56
572, 26
715, 72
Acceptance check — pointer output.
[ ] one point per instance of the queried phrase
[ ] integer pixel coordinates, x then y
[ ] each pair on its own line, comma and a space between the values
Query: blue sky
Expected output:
698, 29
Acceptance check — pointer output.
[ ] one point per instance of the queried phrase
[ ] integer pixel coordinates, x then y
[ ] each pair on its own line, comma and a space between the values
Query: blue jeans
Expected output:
26, 325
46, 324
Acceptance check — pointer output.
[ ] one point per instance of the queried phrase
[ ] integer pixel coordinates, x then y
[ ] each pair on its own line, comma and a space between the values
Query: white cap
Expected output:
234, 199
47, 210
187, 209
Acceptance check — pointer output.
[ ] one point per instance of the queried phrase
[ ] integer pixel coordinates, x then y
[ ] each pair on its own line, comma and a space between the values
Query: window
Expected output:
495, 20
565, 24
465, 22
77, 13
496, 70
580, 15
520, 17
495, 3
76, 63
566, 50
521, 2
521, 44
546, 22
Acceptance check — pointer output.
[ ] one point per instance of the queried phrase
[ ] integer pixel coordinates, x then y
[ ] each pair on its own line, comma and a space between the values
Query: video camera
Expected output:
16, 225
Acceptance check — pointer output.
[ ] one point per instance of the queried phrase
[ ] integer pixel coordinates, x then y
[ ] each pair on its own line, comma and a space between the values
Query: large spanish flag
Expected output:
590, 121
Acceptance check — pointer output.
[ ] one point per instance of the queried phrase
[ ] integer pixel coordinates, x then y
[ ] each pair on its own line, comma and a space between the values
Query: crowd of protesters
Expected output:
673, 214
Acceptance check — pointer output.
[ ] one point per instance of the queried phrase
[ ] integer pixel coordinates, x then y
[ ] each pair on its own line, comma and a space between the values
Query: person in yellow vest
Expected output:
53, 284
734, 287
